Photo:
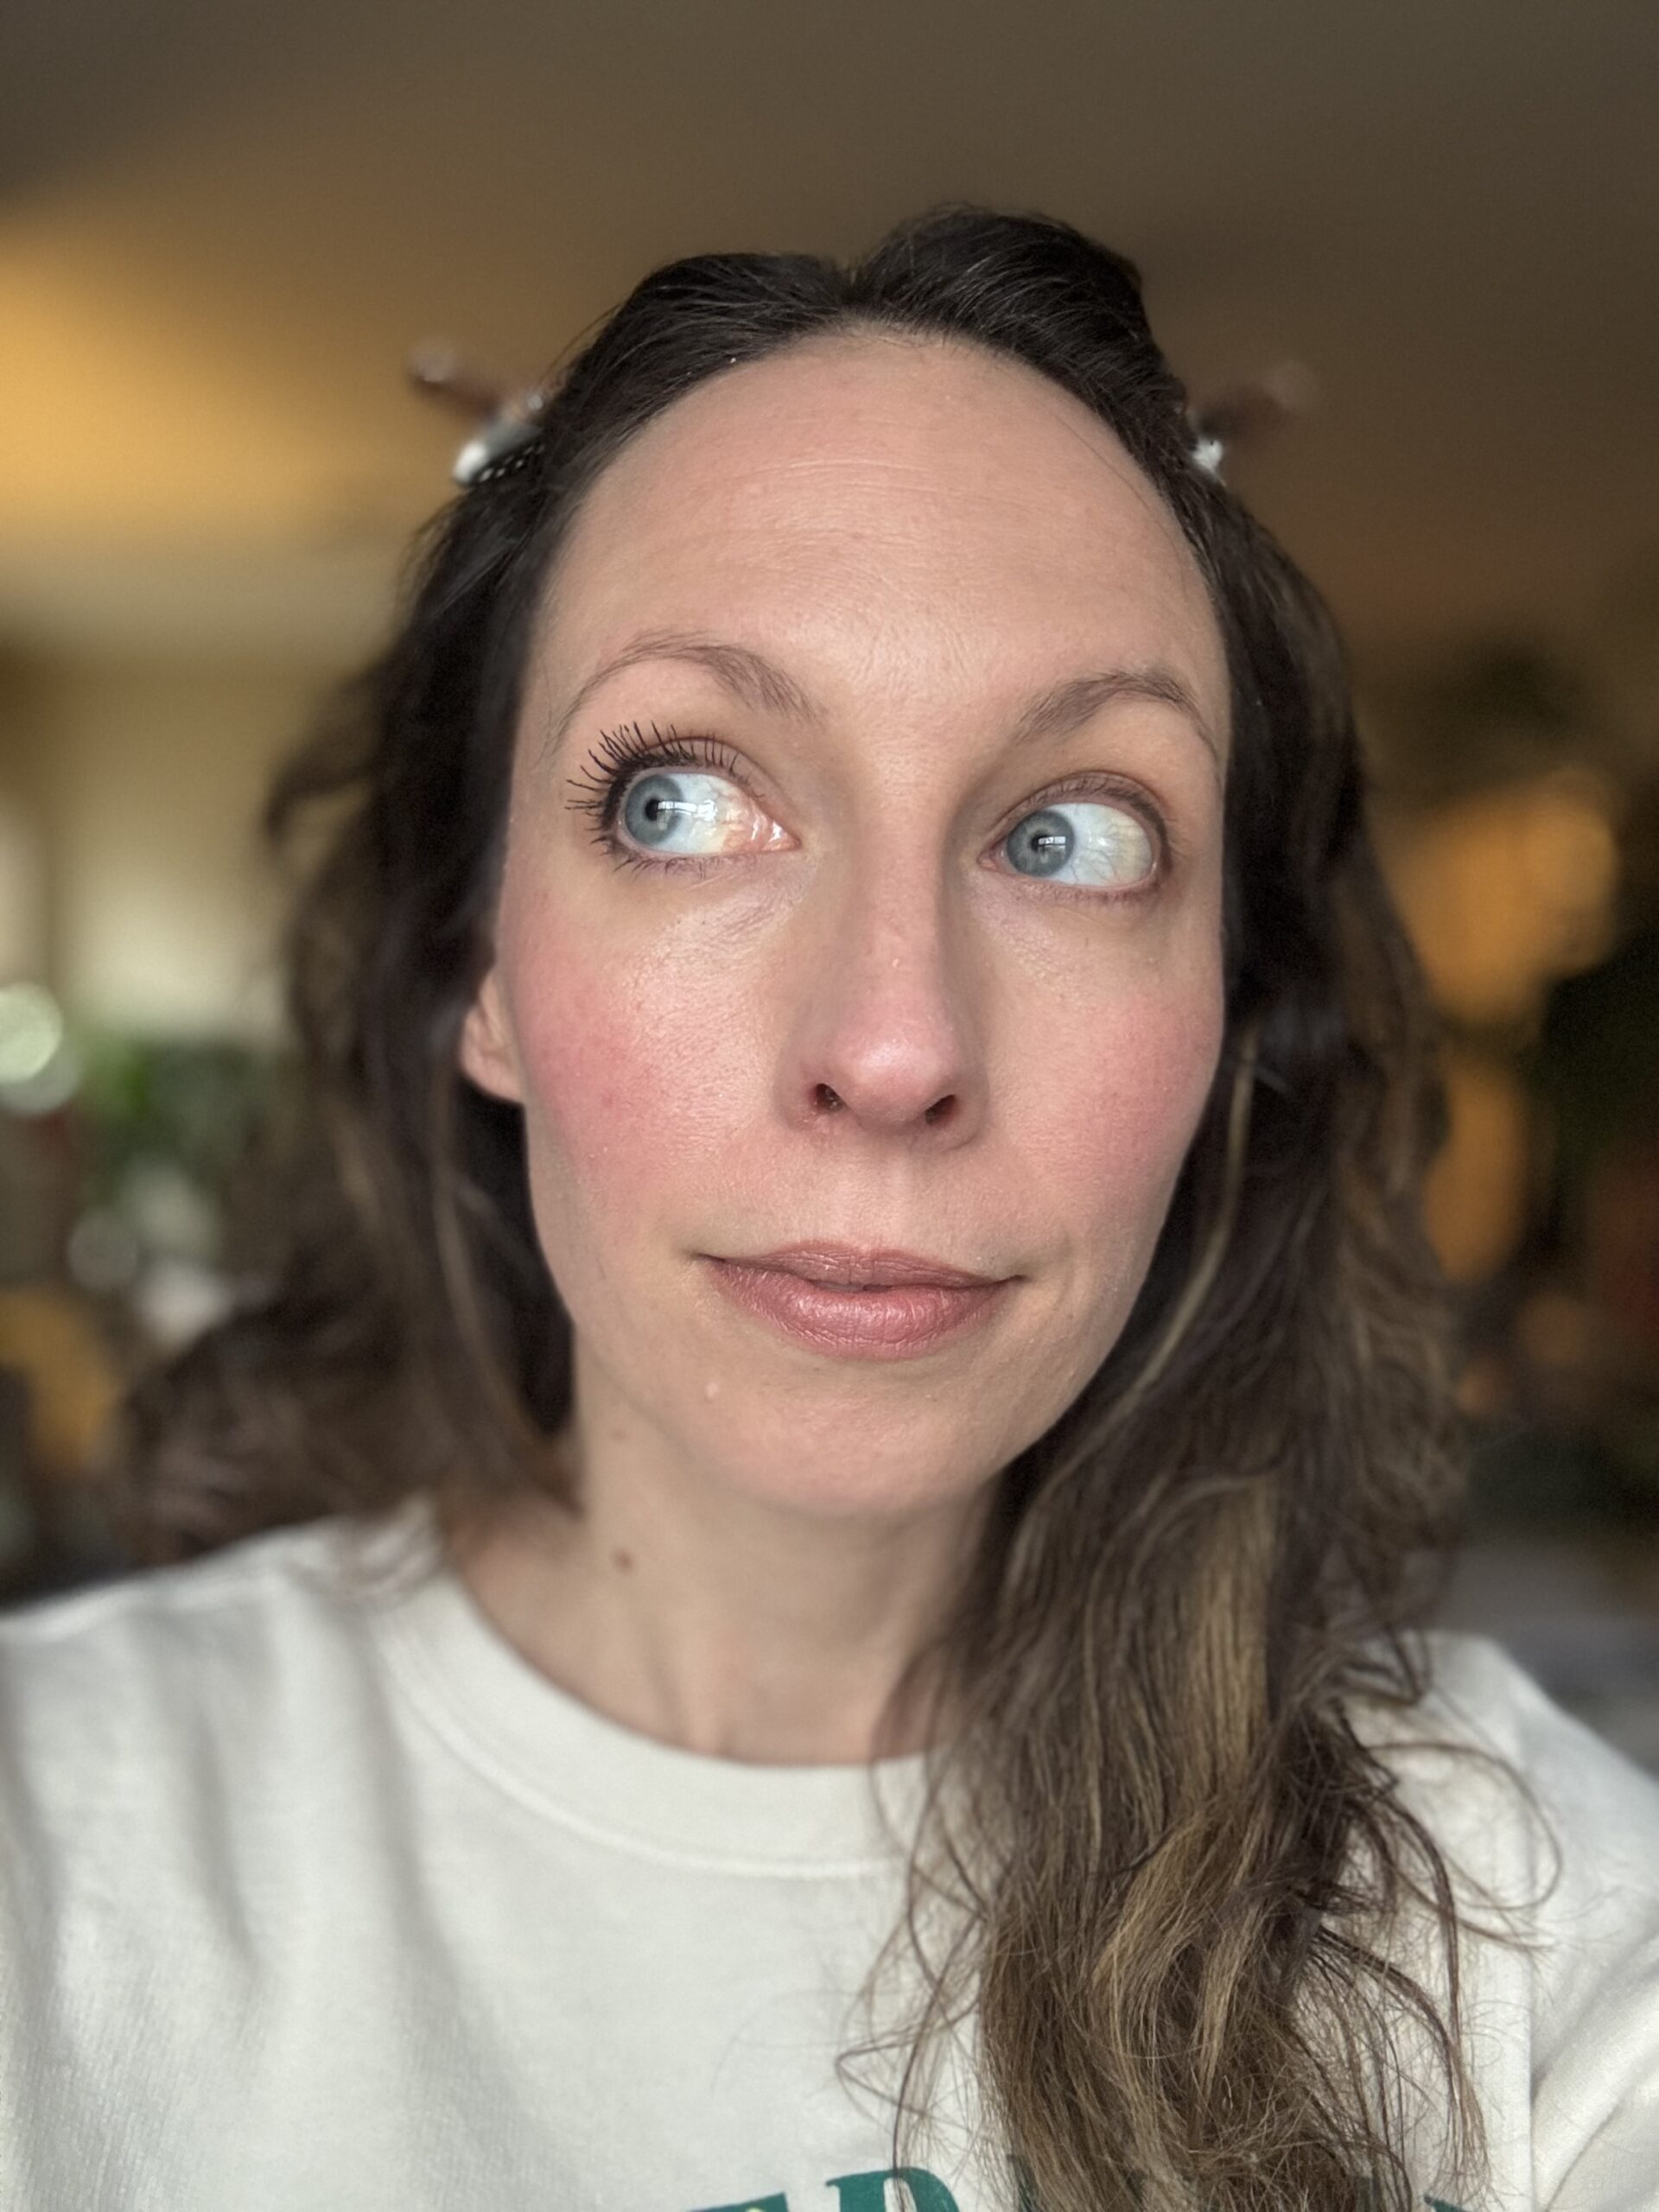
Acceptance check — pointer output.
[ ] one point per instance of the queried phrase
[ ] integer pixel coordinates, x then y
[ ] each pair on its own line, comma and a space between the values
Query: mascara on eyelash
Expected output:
626, 750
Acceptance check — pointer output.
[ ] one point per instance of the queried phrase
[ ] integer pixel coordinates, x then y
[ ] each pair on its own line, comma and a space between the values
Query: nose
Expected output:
887, 1035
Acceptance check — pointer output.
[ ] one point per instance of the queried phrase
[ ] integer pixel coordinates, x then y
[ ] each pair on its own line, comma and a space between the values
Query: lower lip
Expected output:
899, 1322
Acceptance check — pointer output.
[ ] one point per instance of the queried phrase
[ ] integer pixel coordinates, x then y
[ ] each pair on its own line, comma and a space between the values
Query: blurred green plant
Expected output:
195, 1103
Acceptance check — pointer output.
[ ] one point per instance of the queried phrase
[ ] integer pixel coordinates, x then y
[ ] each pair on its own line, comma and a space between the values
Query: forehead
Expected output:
911, 513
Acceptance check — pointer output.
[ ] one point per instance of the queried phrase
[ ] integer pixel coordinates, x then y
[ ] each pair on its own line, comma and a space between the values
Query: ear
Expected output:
486, 1054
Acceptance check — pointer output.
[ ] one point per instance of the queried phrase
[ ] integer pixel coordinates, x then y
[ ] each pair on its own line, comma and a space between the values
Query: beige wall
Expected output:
142, 777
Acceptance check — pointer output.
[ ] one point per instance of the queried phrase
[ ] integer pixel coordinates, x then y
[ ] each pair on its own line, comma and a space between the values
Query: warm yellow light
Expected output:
1475, 1197
1505, 891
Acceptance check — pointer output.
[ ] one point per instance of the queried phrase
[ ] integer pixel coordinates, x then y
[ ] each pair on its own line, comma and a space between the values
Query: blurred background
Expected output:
1407, 254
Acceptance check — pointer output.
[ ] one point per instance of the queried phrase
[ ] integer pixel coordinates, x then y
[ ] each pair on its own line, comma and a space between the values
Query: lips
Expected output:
903, 1319
853, 1267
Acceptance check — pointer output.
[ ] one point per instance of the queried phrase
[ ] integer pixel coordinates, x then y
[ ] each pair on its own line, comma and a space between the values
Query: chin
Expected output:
841, 1482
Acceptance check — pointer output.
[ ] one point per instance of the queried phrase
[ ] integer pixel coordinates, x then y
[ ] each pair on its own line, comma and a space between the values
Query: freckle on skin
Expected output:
622, 1560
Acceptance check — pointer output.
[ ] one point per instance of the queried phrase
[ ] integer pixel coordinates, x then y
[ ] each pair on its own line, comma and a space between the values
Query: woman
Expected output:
809, 1565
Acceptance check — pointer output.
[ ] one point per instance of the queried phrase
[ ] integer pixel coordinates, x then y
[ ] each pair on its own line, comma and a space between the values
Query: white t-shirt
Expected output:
315, 1899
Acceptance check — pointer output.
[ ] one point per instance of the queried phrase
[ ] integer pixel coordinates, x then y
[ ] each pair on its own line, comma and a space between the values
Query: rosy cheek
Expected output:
1123, 1101
589, 1068
626, 1062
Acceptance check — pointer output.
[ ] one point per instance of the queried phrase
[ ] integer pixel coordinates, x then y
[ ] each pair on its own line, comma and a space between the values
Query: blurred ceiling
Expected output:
223, 226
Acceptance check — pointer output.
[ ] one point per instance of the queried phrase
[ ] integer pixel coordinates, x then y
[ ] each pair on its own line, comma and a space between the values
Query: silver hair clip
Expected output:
1208, 453
507, 436
512, 418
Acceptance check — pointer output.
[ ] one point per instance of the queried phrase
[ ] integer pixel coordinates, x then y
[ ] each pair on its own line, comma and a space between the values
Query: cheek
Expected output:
624, 1067
1116, 1090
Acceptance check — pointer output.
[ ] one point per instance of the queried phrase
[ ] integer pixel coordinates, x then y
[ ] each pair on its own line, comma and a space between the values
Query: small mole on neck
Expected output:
622, 1560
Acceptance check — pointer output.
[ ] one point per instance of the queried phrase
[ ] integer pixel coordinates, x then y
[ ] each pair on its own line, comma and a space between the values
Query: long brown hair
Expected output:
1178, 1846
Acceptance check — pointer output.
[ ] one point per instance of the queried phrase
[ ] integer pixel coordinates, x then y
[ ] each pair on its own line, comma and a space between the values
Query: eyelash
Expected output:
622, 752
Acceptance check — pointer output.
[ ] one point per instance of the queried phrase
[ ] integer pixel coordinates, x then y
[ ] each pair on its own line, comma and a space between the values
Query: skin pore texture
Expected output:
928, 541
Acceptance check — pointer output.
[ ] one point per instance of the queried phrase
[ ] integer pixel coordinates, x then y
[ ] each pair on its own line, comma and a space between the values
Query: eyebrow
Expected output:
1067, 706
759, 684
747, 674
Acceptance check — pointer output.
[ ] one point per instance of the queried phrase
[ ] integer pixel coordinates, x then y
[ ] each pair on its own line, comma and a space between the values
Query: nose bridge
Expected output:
889, 1028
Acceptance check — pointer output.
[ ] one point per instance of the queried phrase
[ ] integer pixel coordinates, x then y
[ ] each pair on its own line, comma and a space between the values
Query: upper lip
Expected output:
858, 1264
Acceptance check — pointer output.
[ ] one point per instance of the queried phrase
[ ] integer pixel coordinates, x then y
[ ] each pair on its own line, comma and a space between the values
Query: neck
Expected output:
725, 1626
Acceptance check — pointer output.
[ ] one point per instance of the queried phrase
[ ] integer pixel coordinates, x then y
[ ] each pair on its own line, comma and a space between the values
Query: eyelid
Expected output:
1105, 785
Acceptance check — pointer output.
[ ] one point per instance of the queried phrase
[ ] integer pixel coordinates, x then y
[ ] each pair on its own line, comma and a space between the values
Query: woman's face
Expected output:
896, 598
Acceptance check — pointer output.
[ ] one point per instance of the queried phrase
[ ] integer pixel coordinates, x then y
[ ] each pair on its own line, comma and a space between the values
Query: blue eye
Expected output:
657, 806
1113, 847
612, 776
649, 788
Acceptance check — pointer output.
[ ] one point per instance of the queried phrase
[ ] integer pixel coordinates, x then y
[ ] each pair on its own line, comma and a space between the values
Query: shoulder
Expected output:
1505, 1776
1550, 1840
152, 1617
1596, 1797
120, 1691
1551, 1825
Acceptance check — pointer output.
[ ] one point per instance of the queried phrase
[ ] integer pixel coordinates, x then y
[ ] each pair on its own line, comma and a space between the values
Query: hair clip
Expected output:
1208, 453
505, 439
512, 418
